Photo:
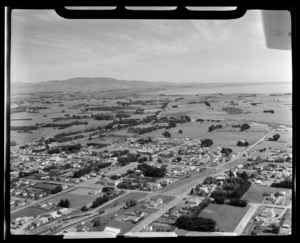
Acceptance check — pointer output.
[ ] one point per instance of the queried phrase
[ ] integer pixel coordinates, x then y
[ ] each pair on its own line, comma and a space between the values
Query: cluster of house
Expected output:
178, 171
267, 217
276, 156
40, 220
28, 189
272, 172
82, 227
47, 217
135, 216
19, 222
158, 144
272, 198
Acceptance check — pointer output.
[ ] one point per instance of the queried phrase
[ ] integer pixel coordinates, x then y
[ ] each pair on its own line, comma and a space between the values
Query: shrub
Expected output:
152, 171
276, 137
206, 142
196, 224
244, 127
226, 151
131, 203
238, 203
166, 134
97, 222
283, 184
64, 203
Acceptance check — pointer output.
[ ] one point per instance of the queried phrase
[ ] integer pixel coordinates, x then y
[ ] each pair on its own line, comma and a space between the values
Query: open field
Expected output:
76, 200
230, 139
190, 130
227, 217
255, 193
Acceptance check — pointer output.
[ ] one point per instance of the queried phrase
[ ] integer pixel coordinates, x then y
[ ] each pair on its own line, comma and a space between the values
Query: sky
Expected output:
45, 46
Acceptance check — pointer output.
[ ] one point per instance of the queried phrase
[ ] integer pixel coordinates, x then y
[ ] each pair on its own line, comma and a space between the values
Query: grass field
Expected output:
190, 130
227, 217
76, 200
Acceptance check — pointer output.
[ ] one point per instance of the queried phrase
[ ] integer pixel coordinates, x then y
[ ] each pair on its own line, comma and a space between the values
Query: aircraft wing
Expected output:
277, 28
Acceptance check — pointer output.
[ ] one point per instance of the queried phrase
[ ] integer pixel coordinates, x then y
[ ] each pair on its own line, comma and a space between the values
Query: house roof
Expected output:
150, 234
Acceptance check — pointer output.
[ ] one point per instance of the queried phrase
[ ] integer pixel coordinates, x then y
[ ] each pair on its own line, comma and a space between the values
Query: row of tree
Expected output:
212, 127
283, 184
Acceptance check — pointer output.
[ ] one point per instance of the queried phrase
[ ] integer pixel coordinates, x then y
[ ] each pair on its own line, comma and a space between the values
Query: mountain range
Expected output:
89, 84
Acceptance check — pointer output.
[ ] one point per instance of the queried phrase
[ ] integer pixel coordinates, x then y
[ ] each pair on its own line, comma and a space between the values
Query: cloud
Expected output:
46, 46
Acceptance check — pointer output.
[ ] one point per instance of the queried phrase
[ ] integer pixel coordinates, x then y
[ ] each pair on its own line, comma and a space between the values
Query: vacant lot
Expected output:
227, 217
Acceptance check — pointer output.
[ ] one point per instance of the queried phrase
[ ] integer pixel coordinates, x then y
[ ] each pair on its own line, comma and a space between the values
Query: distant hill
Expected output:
96, 84
88, 84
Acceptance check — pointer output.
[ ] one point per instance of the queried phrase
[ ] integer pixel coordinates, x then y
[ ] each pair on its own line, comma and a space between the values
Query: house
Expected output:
36, 223
283, 193
268, 213
220, 178
94, 192
194, 201
64, 187
20, 203
258, 182
111, 230
271, 198
153, 186
164, 182
44, 220
63, 211
44, 205
155, 203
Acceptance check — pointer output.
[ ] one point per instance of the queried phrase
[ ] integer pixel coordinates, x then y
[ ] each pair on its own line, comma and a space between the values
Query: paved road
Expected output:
243, 223
152, 217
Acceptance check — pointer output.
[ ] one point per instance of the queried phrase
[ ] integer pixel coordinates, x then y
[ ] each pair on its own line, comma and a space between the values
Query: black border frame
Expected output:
121, 13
